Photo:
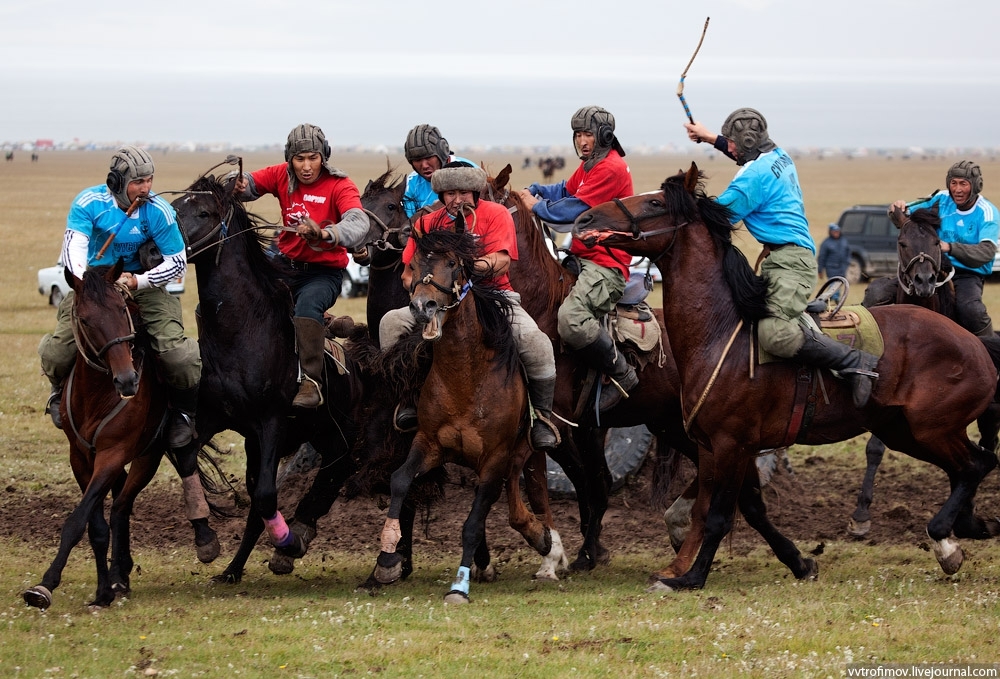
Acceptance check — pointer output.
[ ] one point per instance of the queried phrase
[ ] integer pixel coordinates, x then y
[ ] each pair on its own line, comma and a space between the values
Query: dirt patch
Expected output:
811, 506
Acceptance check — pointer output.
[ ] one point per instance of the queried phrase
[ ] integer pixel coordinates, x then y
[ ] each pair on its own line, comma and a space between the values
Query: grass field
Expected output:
870, 604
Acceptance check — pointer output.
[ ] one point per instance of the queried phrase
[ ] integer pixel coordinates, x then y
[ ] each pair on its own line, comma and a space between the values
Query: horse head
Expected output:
442, 271
204, 213
382, 200
103, 327
919, 247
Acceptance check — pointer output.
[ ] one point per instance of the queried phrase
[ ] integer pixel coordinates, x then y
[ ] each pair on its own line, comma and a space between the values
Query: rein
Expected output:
88, 349
637, 234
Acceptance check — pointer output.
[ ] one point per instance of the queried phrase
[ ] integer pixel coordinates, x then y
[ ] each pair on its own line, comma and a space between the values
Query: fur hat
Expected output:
459, 177
127, 164
748, 129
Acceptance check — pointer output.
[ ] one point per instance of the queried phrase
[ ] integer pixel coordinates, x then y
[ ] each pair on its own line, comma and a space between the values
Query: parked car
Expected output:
872, 237
52, 282
355, 280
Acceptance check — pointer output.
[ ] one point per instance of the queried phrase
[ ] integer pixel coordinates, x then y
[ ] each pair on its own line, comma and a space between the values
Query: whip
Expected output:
680, 85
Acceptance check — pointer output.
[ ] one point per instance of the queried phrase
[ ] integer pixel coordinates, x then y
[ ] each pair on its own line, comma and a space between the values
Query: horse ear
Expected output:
691, 178
502, 178
116, 270
460, 222
71, 280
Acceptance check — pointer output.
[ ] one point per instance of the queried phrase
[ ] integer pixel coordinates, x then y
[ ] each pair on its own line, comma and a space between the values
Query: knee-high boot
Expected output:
309, 338
544, 434
602, 355
853, 364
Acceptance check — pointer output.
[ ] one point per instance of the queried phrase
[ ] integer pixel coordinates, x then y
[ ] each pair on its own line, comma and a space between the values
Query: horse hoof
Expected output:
545, 576
281, 564
38, 596
659, 586
456, 597
296, 549
949, 554
658, 576
208, 552
227, 578
858, 529
488, 574
811, 571
121, 589
387, 576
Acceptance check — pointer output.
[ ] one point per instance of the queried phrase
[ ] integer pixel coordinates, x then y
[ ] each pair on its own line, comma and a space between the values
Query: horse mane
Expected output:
542, 261
382, 183
493, 308
260, 265
748, 289
93, 280
927, 218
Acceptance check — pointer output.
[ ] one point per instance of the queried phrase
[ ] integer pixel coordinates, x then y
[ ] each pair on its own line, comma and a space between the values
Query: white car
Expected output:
52, 282
639, 267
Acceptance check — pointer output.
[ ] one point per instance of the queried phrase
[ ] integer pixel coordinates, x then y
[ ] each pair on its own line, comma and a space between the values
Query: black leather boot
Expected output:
180, 423
852, 364
603, 356
544, 435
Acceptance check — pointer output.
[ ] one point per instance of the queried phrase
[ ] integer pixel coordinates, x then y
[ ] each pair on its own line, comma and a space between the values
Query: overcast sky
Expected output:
845, 73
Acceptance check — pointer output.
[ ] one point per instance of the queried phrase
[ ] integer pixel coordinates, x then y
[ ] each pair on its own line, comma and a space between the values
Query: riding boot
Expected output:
309, 340
52, 405
604, 357
544, 434
857, 366
180, 422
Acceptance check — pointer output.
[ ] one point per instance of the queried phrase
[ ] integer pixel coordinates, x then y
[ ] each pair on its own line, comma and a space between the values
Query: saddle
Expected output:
852, 325
637, 333
337, 327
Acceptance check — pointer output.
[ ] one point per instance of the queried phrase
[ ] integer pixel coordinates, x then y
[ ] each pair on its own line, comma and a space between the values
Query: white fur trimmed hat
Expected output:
463, 178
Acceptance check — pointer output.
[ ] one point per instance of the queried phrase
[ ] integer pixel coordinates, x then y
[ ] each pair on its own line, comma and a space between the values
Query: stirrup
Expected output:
304, 399
548, 428
52, 408
404, 419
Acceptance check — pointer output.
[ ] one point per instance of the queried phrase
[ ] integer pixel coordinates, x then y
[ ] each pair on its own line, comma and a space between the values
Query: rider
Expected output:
97, 215
427, 152
458, 186
322, 213
766, 196
969, 232
601, 176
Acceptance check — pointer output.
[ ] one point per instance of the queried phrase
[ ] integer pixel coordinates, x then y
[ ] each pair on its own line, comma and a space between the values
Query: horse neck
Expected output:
698, 307
539, 278
461, 348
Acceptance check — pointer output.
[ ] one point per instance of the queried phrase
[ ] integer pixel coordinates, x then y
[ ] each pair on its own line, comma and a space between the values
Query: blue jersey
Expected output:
766, 196
969, 227
96, 215
419, 193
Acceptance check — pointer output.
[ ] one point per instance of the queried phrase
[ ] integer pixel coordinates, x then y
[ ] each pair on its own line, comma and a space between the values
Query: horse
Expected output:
923, 278
473, 407
249, 371
710, 300
113, 409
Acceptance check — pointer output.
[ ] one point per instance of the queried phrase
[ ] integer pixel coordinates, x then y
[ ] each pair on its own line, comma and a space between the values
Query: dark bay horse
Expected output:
249, 371
113, 409
923, 278
473, 407
710, 300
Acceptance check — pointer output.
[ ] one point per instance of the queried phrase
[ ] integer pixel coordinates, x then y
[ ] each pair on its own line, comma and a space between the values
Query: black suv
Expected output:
873, 241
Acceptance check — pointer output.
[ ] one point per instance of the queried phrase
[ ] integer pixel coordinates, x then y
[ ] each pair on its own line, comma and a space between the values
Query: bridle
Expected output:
903, 272
93, 355
636, 233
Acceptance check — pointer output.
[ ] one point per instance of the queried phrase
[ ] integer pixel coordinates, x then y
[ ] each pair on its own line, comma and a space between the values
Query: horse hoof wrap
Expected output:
38, 596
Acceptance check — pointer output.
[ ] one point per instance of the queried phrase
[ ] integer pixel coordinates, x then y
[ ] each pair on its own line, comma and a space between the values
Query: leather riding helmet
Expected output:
748, 128
127, 164
424, 141
306, 138
968, 170
600, 123
459, 176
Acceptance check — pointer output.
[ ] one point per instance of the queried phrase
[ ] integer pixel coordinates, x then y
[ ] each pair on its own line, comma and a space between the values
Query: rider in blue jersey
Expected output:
765, 195
427, 152
969, 233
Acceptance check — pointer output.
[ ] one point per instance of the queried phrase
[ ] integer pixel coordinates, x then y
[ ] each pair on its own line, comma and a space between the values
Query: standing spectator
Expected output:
834, 256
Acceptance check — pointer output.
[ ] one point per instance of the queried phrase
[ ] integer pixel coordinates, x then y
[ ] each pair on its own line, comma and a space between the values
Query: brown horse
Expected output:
709, 302
473, 405
113, 410
923, 278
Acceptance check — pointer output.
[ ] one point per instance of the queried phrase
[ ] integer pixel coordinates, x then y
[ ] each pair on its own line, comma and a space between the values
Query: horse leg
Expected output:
860, 522
474, 532
40, 596
140, 473
590, 476
989, 427
254, 523
206, 542
964, 483
333, 472
543, 538
751, 503
404, 548
678, 516
967, 524
389, 565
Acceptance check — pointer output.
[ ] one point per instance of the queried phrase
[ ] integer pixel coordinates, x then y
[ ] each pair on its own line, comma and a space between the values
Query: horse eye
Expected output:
203, 214
656, 202
392, 207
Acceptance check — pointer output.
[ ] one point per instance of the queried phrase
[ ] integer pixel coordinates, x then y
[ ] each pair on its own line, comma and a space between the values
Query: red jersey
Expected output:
607, 180
493, 225
325, 201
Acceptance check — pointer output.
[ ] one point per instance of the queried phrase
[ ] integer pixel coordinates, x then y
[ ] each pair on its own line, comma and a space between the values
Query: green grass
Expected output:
870, 603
